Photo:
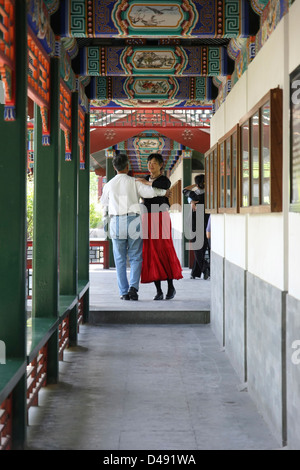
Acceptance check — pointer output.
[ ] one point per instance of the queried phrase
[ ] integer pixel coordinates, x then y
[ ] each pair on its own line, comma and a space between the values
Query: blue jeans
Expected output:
127, 241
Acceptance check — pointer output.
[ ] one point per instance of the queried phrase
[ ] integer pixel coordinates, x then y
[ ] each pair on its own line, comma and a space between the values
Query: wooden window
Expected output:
211, 180
176, 196
261, 156
228, 173
295, 141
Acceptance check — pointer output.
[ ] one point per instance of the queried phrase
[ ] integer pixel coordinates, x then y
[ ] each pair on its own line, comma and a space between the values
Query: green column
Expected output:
84, 218
68, 262
110, 173
45, 239
13, 165
187, 177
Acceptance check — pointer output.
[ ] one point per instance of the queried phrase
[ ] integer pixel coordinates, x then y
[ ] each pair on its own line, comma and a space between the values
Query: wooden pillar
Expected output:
187, 177
84, 219
68, 262
45, 239
13, 167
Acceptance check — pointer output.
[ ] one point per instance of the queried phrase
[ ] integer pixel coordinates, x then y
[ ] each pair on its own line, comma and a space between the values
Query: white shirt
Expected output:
122, 193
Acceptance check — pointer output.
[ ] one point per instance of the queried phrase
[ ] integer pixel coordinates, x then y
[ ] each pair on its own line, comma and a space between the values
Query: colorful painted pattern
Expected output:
189, 61
7, 58
271, 16
39, 22
134, 88
176, 18
139, 148
156, 18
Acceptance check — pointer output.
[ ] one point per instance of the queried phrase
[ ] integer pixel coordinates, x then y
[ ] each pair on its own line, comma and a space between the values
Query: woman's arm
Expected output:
190, 187
160, 183
143, 181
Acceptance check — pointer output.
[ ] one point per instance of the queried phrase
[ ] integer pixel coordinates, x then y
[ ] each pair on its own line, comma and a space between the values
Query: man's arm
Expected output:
104, 200
147, 192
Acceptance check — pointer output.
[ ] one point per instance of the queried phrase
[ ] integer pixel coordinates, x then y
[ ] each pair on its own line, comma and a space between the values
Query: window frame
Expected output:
223, 141
274, 97
293, 206
208, 174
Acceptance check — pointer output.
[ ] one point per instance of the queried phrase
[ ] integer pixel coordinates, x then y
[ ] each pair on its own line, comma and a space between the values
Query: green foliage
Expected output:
96, 214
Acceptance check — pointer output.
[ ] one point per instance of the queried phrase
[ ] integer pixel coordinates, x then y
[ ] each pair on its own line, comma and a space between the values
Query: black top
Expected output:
200, 198
162, 182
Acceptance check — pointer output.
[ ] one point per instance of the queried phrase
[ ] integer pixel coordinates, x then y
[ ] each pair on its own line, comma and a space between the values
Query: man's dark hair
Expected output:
158, 157
199, 181
120, 162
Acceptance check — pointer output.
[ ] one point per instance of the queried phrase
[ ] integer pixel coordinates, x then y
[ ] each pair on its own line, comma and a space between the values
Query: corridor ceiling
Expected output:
153, 69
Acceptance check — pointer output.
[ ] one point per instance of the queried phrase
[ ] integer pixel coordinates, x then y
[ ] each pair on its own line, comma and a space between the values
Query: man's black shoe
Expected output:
133, 293
125, 297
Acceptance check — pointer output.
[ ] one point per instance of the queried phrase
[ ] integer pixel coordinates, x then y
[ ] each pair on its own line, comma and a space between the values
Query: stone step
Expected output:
149, 317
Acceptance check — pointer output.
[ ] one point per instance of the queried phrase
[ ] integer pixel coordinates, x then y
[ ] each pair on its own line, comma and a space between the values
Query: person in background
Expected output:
160, 261
195, 194
208, 231
121, 197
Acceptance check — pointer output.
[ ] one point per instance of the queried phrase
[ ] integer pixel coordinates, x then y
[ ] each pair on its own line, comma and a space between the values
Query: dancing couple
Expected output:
141, 231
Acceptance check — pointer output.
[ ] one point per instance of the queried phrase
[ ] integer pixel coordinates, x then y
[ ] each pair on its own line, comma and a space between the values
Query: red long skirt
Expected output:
160, 261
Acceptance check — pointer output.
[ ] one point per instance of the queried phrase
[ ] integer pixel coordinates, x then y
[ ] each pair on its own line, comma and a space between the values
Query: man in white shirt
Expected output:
121, 196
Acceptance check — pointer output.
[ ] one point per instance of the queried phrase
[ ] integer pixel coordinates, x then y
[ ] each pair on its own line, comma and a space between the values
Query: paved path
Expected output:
192, 294
147, 387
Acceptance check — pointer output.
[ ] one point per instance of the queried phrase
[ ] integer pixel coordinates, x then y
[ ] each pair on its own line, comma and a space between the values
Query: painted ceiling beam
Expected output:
153, 60
152, 88
139, 18
148, 143
103, 138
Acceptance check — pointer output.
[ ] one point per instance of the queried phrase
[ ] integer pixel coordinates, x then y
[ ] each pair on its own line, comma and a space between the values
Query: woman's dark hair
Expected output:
120, 162
199, 181
158, 157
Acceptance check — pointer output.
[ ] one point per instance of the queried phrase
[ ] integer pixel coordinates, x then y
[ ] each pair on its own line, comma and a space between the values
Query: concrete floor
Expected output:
147, 387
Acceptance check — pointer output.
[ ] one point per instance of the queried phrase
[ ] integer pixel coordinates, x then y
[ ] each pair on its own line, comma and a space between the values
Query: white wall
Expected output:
236, 239
217, 125
294, 219
255, 242
218, 234
236, 105
294, 255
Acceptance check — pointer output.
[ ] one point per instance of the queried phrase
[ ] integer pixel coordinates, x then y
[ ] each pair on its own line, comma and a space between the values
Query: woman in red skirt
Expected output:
160, 261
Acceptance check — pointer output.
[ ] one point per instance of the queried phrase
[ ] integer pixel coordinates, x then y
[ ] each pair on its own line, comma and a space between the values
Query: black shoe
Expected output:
192, 277
206, 274
159, 296
133, 293
125, 297
171, 295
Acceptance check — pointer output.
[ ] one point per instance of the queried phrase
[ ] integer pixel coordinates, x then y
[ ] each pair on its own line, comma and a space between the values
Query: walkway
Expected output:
147, 387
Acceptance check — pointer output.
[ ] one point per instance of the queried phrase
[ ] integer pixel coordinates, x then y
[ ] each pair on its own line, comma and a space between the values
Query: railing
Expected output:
63, 335
36, 377
6, 424
29, 270
37, 352
99, 254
